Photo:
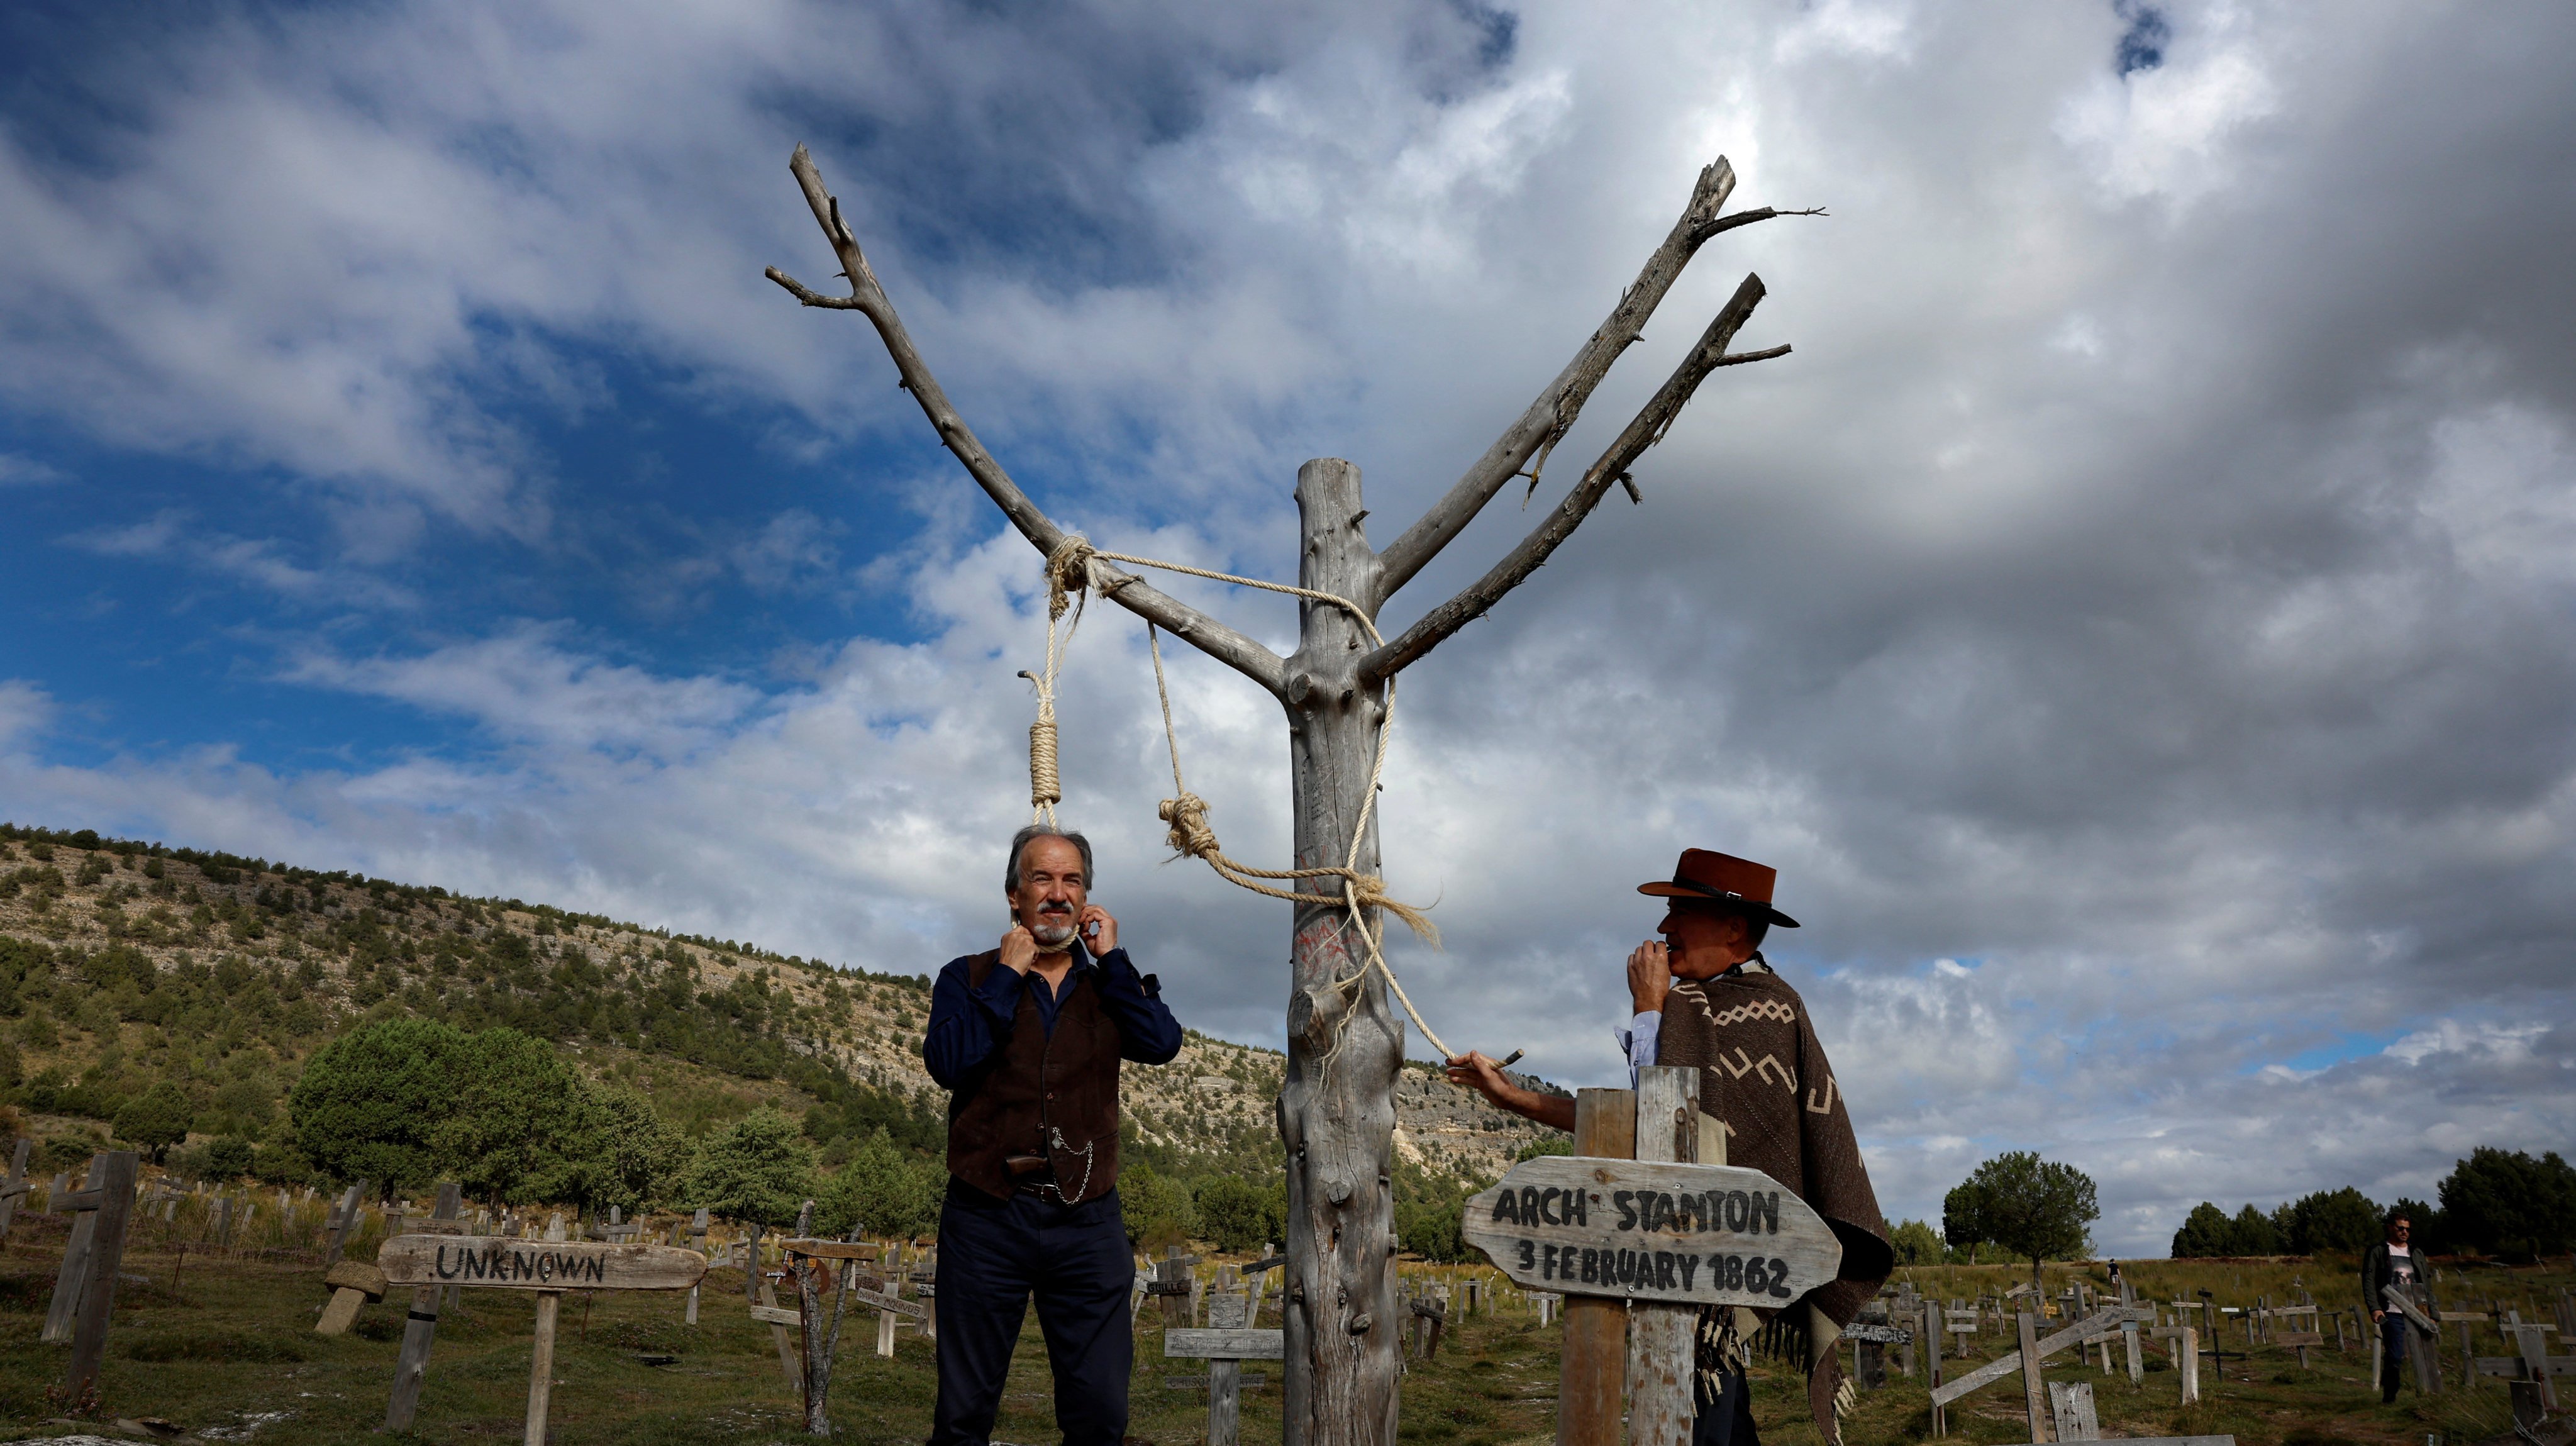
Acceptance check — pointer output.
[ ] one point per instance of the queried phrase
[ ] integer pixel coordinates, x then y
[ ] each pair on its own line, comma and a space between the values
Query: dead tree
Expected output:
1337, 1110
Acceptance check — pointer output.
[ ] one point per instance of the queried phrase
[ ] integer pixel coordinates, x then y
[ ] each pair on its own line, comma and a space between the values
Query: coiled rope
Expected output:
1068, 575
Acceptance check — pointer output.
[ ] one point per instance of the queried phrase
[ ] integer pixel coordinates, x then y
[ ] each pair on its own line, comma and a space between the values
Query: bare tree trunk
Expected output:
1345, 1046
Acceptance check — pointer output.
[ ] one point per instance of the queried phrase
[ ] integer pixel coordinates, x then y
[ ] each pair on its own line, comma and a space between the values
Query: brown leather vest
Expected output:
1050, 1094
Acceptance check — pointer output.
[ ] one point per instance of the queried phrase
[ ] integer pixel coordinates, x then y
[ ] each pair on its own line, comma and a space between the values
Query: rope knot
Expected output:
1068, 571
1045, 791
1368, 891
1191, 837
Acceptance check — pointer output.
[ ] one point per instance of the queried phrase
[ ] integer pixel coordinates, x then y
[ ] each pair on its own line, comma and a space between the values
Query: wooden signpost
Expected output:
1679, 1234
1640, 1236
549, 1267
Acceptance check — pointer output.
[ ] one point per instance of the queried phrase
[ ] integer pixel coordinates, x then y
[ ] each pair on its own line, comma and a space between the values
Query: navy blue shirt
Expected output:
967, 1024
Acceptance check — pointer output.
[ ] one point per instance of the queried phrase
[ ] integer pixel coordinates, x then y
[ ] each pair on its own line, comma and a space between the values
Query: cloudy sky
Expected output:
2135, 619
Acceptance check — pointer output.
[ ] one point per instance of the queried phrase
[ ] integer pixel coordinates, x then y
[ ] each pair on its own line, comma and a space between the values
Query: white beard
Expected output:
1052, 937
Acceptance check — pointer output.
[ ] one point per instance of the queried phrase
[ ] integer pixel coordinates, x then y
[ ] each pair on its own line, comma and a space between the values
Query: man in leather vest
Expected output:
1027, 1038
1704, 996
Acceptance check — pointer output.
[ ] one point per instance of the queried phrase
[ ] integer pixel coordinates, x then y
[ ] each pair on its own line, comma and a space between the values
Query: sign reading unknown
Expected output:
1687, 1234
537, 1264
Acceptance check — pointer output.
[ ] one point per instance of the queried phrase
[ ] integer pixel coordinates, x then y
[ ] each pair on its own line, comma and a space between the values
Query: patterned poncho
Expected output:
1764, 1076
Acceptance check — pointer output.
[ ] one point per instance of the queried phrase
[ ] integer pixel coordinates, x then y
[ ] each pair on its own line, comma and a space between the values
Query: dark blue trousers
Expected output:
1728, 1420
994, 1255
2394, 1354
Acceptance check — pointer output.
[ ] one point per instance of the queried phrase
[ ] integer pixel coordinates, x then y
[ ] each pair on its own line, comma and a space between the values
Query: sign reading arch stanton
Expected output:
1684, 1234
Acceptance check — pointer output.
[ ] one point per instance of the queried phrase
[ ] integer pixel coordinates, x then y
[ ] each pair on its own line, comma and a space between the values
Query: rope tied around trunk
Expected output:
1068, 577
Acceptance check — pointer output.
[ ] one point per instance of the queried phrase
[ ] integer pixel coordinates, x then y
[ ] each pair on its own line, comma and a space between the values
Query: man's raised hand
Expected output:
1019, 949
1099, 931
1650, 976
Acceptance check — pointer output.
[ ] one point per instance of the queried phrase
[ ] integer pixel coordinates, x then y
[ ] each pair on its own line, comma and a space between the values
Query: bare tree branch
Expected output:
1746, 218
1645, 431
1546, 422
868, 298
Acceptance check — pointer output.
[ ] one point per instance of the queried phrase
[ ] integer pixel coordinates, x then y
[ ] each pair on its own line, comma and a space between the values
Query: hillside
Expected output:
124, 965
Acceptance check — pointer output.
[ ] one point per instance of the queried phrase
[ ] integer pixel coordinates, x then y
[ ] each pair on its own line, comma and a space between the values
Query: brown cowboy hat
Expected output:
1708, 877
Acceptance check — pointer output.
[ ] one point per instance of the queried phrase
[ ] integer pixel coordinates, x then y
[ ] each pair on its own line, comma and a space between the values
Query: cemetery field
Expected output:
228, 1352
2267, 1398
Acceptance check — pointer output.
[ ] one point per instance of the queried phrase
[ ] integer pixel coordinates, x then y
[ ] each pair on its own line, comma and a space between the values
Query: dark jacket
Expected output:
1031, 1082
2376, 1273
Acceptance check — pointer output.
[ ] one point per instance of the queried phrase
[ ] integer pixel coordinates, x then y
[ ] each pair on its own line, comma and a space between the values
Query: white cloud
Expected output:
2167, 618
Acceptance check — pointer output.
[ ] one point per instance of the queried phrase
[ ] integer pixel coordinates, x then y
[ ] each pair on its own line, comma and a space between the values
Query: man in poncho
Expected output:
1705, 997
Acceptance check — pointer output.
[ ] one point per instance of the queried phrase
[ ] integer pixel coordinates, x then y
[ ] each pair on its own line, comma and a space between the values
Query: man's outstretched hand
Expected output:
1478, 1071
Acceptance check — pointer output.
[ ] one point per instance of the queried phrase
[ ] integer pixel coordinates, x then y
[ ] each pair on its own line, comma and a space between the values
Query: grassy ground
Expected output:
229, 1354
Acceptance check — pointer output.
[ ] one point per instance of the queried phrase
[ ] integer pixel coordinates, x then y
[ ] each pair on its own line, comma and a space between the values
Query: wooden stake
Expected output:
14, 1188
107, 1251
698, 1242
1661, 1349
2034, 1390
411, 1366
541, 1370
1594, 1360
344, 1222
73, 1275
786, 1349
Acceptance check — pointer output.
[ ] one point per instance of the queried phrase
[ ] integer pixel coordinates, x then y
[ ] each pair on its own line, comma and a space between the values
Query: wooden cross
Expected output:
342, 1221
85, 1290
1225, 1345
411, 1367
698, 1242
2035, 1350
1172, 1283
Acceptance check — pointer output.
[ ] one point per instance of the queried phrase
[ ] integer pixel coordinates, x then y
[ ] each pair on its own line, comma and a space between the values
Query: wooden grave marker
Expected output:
15, 1188
353, 1284
805, 1266
549, 1267
2034, 1352
1635, 1220
1225, 1344
2419, 1340
85, 1288
2071, 1412
342, 1222
698, 1242
1173, 1286
1671, 1233
411, 1366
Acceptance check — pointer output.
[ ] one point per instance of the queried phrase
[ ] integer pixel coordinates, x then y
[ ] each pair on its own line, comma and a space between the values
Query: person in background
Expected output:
2391, 1262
